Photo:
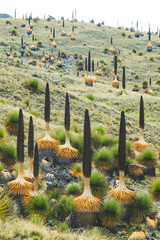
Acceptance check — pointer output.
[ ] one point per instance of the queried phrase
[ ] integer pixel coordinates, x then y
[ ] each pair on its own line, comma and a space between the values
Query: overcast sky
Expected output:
109, 11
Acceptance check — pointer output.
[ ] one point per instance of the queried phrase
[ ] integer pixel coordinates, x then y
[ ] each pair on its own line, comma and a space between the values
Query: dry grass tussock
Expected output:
23, 229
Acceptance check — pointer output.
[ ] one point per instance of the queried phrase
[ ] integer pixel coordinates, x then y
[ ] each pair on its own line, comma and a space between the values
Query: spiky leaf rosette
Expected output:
87, 146
20, 138
141, 114
92, 65
5, 205
86, 64
31, 138
122, 144
67, 113
115, 65
36, 162
123, 81
89, 61
47, 104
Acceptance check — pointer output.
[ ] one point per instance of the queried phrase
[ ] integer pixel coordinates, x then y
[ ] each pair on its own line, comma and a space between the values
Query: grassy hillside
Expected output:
107, 102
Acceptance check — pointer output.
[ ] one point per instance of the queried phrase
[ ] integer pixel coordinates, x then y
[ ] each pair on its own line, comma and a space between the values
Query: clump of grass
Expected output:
39, 204
136, 76
75, 128
139, 53
3, 135
34, 113
103, 159
90, 97
1, 167
63, 227
154, 190
33, 85
100, 129
59, 134
55, 193
7, 154
5, 205
96, 139
73, 189
63, 208
27, 101
37, 220
11, 122
141, 207
106, 141
63, 85
110, 213
2, 101
148, 158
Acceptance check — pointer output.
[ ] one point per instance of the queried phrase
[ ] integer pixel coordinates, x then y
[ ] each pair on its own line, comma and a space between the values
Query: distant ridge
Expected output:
4, 15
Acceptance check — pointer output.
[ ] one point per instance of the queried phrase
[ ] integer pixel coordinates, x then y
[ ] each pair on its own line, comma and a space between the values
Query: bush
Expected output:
39, 204
3, 135
11, 122
123, 34
136, 76
148, 158
13, 32
63, 208
27, 101
154, 190
103, 159
90, 97
107, 141
33, 85
141, 207
110, 213
73, 189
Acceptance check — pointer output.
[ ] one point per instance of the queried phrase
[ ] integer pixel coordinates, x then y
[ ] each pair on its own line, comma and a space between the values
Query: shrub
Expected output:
39, 204
103, 159
110, 213
33, 85
3, 135
63, 85
151, 59
141, 207
148, 158
154, 190
98, 24
73, 189
11, 122
7, 154
100, 129
7, 22
63, 208
96, 139
90, 97
107, 141
77, 142
13, 32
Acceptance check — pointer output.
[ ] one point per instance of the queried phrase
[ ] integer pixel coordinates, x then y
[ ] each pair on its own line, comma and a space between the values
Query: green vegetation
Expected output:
11, 122
148, 158
33, 85
154, 190
63, 208
90, 97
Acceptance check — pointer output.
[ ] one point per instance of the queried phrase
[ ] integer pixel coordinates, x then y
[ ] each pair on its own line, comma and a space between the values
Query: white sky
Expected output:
109, 11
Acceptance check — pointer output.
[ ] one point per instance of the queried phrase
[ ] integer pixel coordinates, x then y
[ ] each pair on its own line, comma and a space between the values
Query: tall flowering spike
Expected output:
47, 104
111, 40
122, 144
92, 65
150, 82
32, 37
97, 64
63, 23
67, 113
20, 138
149, 34
89, 61
137, 24
31, 138
21, 41
87, 146
141, 114
123, 80
86, 64
36, 162
51, 30
72, 15
58, 54
54, 35
29, 21
115, 65
73, 28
